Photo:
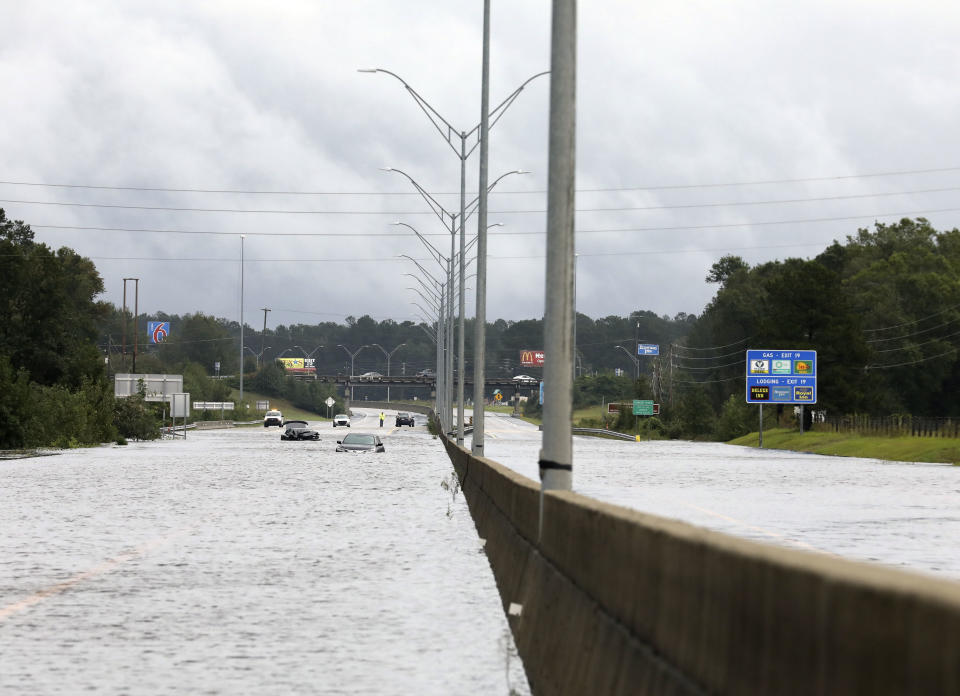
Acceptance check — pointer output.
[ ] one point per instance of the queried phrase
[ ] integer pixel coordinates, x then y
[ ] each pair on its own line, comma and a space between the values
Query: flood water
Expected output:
234, 563
896, 513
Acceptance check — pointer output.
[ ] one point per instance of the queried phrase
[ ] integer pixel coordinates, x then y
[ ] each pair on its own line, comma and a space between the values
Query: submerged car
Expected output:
404, 418
360, 442
341, 419
273, 417
298, 430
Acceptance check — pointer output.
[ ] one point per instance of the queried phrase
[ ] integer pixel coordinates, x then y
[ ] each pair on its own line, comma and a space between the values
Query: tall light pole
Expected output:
352, 356
443, 214
480, 305
442, 322
242, 237
556, 455
389, 355
450, 135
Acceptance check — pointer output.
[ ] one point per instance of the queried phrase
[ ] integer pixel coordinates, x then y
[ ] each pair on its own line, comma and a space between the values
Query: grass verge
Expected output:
901, 449
288, 410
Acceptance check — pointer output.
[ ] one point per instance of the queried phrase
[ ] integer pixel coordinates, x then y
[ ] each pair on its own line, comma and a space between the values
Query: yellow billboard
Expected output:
292, 363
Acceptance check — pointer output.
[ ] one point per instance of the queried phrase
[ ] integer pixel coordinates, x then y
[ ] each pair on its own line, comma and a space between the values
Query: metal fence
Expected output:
893, 426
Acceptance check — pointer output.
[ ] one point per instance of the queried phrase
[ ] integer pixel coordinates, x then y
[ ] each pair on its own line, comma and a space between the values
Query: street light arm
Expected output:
430, 247
435, 206
501, 108
446, 131
472, 206
434, 293
423, 270
426, 299
636, 361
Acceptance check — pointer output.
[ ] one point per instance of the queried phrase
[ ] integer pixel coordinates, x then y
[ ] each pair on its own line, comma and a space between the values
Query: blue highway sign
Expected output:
648, 349
781, 376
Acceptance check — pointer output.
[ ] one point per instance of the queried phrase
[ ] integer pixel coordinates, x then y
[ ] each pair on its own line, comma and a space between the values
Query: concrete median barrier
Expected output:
618, 602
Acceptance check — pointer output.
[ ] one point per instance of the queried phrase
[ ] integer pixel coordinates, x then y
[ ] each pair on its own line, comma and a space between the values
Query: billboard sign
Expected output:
531, 358
781, 376
298, 366
158, 330
648, 349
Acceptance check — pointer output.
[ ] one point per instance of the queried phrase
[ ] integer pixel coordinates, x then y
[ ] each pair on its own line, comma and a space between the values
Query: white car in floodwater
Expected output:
341, 419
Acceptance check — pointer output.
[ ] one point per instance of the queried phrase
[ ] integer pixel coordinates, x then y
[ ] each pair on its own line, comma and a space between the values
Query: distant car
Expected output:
298, 430
273, 418
404, 418
341, 419
370, 376
524, 379
426, 373
360, 442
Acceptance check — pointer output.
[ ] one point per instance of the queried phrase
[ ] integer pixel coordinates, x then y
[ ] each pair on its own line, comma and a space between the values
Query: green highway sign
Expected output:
642, 407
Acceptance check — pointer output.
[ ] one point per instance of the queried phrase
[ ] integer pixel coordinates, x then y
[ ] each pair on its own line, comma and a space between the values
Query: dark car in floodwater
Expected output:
404, 418
298, 430
360, 442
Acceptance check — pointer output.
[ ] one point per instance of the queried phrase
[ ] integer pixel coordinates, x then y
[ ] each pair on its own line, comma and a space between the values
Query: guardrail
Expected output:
613, 434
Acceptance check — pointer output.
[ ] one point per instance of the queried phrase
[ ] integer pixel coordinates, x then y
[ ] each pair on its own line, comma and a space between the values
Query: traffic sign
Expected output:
498, 396
329, 402
642, 407
648, 349
781, 376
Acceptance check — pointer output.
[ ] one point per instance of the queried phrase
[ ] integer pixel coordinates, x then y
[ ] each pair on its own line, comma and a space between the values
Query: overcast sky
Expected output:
691, 116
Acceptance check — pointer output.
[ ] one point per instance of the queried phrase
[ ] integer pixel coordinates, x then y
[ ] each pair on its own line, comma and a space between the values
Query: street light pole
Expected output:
449, 134
389, 355
264, 332
556, 456
443, 215
480, 310
352, 356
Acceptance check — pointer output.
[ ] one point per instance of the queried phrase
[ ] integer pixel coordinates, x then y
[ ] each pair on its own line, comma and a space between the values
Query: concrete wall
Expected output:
618, 602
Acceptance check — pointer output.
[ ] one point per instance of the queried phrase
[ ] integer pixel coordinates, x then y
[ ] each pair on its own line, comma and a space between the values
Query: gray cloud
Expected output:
248, 96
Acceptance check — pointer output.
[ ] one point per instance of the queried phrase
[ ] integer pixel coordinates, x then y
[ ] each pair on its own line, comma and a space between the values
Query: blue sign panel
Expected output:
648, 349
158, 330
781, 376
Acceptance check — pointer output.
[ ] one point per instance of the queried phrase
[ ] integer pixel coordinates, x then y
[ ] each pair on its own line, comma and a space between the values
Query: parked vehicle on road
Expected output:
341, 419
273, 417
360, 442
298, 430
404, 418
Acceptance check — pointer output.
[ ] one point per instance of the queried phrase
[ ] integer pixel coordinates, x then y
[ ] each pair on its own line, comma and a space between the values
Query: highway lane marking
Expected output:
101, 569
762, 530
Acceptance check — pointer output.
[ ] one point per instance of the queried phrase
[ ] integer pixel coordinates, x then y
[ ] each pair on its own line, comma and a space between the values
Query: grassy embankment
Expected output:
902, 449
289, 410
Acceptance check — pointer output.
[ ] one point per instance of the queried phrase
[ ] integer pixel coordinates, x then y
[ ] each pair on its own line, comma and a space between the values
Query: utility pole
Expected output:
123, 321
136, 314
264, 332
556, 455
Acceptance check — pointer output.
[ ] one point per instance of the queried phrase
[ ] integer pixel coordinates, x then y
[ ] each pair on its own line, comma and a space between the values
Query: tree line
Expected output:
881, 309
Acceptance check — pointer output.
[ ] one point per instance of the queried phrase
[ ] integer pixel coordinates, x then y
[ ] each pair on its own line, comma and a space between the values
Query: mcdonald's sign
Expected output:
531, 358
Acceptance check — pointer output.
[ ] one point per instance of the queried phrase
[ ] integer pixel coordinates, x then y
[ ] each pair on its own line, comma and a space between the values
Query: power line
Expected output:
915, 321
679, 206
680, 228
682, 347
915, 333
665, 187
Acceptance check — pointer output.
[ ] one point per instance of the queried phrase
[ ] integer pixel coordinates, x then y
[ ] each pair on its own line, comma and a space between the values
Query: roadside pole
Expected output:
761, 426
556, 455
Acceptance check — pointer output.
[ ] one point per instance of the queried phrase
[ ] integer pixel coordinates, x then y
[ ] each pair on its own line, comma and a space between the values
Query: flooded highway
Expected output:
896, 513
234, 563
